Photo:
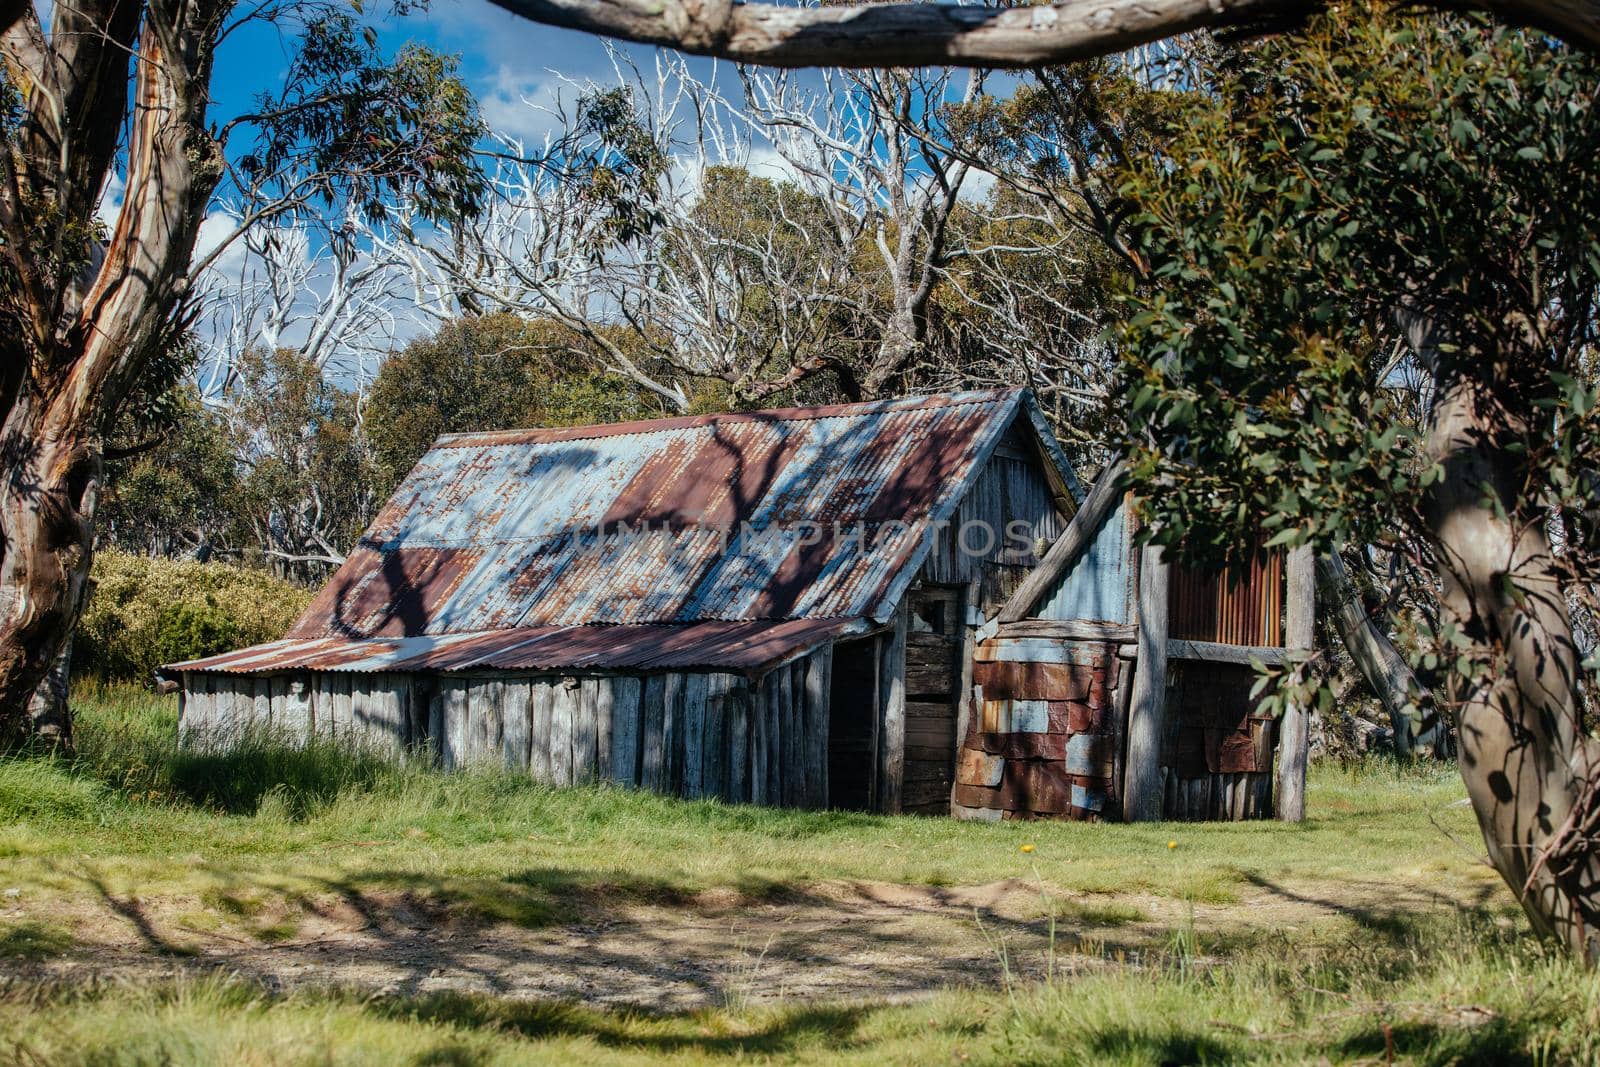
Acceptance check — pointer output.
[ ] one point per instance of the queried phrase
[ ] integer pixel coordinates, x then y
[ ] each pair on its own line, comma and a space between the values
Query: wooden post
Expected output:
892, 735
1147, 713
1295, 738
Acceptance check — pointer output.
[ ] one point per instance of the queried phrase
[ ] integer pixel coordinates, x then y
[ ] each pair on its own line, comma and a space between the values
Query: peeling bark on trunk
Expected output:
1529, 768
80, 318
49, 713
1386, 672
46, 520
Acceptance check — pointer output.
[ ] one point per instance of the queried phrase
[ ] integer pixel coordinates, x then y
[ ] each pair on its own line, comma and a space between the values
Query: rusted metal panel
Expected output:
801, 513
742, 646
1234, 606
768, 533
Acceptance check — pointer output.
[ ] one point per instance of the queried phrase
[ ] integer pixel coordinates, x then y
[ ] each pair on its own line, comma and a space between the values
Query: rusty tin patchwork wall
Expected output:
1044, 732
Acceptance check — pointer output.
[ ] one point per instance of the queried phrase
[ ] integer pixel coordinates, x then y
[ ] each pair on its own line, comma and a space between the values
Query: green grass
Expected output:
247, 844
1450, 990
131, 814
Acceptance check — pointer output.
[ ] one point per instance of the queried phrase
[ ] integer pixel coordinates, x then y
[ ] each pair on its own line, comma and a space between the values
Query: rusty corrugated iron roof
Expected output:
733, 646
801, 513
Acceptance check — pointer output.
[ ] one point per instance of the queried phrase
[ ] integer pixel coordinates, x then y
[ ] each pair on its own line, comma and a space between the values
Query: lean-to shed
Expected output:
803, 607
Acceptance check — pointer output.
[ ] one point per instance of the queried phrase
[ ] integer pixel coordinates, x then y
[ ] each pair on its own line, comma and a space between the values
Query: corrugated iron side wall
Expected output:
1238, 606
1096, 589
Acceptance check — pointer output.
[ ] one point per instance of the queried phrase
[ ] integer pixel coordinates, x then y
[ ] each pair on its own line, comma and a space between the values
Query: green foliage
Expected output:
490, 372
146, 611
180, 496
306, 487
1321, 193
620, 162
352, 126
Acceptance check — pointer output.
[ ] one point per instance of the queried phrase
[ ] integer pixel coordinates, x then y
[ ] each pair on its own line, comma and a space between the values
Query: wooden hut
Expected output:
871, 606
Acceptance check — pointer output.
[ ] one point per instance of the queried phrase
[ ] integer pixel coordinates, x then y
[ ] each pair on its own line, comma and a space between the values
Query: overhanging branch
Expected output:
913, 35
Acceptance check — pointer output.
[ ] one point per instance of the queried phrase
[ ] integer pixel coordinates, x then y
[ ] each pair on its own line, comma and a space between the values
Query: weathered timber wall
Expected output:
934, 645
1043, 739
690, 734
1011, 487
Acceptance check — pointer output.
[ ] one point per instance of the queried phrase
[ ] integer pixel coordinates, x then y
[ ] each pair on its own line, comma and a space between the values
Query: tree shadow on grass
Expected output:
833, 1027
423, 925
1395, 926
1498, 1043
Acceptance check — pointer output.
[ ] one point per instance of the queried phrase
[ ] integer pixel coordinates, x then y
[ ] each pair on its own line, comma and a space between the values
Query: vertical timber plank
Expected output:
457, 719
789, 748
261, 714
696, 688
652, 726
819, 681
604, 714
773, 786
625, 700
297, 708
714, 747
339, 685
514, 724
672, 736
563, 716
541, 701
1295, 738
586, 730
892, 731
759, 694
1142, 799
737, 776
278, 698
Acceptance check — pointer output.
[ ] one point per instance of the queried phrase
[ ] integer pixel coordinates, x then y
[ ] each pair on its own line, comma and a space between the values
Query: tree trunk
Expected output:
902, 340
1386, 672
52, 478
1529, 768
49, 712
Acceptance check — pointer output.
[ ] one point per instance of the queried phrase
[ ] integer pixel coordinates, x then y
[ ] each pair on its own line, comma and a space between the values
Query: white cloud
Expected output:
520, 107
111, 200
216, 228
977, 186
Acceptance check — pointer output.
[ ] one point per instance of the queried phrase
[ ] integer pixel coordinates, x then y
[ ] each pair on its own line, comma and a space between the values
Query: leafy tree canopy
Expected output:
489, 372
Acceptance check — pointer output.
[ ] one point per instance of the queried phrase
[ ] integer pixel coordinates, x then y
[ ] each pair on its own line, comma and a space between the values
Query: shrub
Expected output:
144, 612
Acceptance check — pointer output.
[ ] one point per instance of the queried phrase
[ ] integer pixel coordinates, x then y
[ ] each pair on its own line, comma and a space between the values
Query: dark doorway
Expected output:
853, 725
933, 674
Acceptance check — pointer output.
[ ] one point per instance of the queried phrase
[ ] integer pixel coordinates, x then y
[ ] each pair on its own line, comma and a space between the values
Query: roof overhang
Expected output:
753, 647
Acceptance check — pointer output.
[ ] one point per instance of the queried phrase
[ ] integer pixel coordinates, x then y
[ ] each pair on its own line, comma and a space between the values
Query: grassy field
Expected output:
1423, 960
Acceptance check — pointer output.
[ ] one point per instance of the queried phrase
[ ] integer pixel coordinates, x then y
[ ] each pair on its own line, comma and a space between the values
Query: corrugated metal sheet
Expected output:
541, 527
1236, 606
1096, 588
523, 549
746, 646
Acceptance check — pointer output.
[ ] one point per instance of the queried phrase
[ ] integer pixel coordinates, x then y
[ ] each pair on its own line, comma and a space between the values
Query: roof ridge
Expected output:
637, 427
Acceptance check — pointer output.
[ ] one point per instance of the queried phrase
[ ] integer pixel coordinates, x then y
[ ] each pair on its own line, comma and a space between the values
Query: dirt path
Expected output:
842, 940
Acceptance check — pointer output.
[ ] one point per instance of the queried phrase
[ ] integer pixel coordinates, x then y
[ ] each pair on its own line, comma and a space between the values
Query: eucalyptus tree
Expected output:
118, 93
1373, 182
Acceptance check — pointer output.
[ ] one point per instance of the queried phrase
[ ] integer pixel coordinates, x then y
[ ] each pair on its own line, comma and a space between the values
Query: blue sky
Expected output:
504, 59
